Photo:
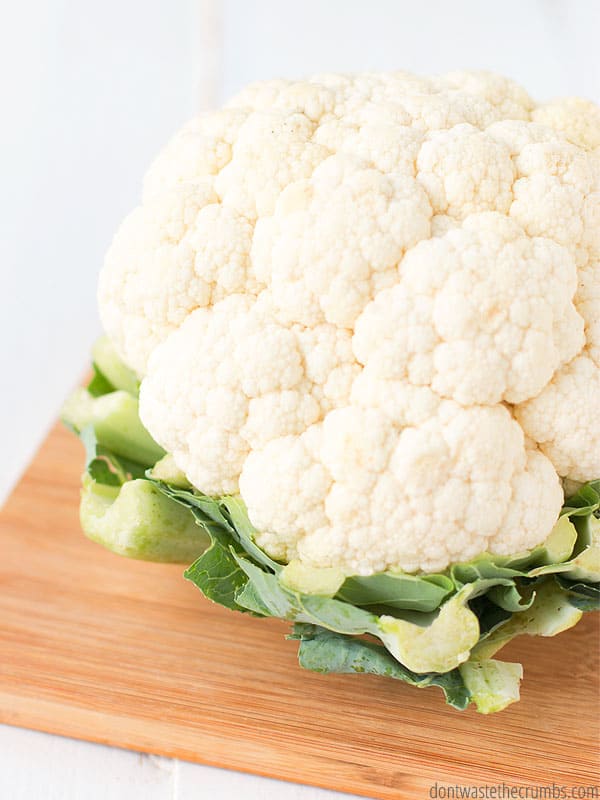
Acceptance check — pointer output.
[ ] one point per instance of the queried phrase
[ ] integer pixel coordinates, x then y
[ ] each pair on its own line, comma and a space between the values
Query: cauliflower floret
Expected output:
482, 314
272, 150
370, 304
387, 146
149, 283
578, 118
509, 99
177, 264
564, 419
517, 134
202, 148
464, 171
336, 239
419, 497
286, 467
443, 110
544, 206
256, 384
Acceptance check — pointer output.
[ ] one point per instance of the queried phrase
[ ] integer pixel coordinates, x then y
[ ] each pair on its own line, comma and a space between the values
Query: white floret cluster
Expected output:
370, 304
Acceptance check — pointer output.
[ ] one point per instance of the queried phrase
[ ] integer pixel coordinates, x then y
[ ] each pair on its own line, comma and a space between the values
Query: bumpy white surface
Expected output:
370, 303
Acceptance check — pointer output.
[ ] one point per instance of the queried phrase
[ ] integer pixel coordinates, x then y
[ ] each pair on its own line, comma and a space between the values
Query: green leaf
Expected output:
402, 591
280, 602
490, 615
208, 510
559, 545
550, 613
109, 367
585, 566
510, 598
482, 571
116, 423
493, 685
99, 383
245, 531
584, 502
136, 520
585, 596
216, 572
103, 465
438, 647
327, 652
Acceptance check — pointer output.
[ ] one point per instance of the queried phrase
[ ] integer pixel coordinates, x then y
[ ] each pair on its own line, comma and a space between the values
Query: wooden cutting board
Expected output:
130, 654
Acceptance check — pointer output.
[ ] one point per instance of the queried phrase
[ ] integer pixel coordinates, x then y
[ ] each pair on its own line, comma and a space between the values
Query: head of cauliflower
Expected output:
370, 305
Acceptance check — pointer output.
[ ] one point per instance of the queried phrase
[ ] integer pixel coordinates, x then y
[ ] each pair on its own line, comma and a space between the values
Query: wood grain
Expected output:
130, 654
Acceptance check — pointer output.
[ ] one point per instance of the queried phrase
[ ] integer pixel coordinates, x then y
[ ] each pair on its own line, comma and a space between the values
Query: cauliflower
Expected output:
369, 305
353, 366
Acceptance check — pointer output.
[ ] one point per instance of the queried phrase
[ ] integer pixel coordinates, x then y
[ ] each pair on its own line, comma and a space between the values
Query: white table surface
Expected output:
90, 91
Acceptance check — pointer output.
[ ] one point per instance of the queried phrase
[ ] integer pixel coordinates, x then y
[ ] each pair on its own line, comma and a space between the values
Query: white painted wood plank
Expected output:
37, 766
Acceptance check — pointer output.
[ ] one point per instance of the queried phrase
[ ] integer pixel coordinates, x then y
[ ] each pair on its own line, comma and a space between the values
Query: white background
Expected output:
90, 91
